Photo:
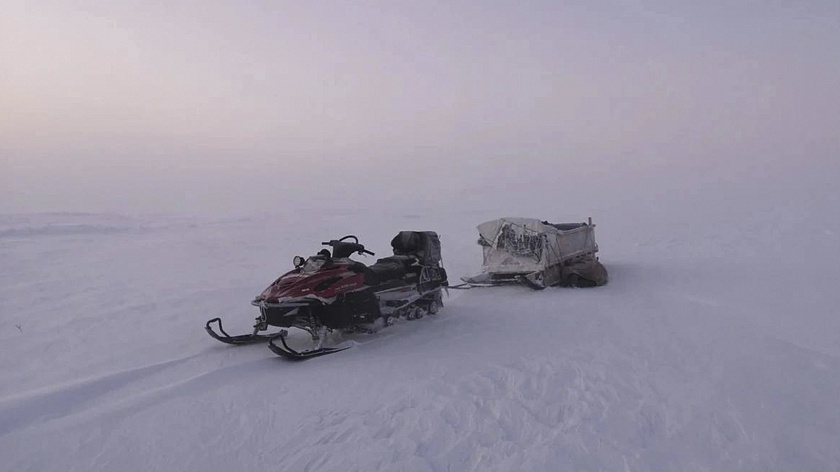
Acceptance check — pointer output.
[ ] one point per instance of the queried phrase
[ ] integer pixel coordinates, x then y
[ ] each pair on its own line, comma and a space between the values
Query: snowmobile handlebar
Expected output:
360, 248
332, 242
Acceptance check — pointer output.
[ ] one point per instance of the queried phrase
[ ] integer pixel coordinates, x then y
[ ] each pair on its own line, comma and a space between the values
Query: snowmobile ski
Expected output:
288, 353
252, 338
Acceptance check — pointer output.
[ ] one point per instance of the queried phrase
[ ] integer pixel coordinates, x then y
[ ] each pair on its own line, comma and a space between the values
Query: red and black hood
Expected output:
330, 280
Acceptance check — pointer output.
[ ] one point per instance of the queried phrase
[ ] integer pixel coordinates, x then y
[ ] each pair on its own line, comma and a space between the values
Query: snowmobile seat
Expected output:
389, 268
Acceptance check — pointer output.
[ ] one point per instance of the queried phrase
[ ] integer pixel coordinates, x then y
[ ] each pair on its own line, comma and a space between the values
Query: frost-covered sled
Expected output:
539, 254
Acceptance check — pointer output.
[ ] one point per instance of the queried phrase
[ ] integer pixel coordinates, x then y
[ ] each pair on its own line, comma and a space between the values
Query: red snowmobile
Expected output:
330, 292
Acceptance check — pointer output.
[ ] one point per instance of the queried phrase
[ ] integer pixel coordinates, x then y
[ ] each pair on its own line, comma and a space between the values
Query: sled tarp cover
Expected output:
521, 245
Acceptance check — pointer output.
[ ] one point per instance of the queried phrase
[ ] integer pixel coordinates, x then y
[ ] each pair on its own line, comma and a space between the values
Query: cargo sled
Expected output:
538, 254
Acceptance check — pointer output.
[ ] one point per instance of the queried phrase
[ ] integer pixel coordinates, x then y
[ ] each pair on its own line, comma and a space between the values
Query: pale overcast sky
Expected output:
231, 106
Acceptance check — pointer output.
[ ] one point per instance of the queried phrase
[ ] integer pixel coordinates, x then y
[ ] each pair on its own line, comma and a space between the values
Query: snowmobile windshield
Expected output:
313, 264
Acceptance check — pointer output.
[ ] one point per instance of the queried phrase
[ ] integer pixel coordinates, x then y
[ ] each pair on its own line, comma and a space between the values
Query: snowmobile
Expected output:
330, 292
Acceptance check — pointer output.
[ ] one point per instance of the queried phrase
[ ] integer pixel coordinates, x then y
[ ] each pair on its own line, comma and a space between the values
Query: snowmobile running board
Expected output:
288, 353
228, 339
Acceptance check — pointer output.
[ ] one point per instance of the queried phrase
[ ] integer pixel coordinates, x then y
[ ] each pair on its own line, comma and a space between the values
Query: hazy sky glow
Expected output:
149, 106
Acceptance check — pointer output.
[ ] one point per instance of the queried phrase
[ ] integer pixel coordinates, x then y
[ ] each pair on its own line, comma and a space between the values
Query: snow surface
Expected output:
715, 346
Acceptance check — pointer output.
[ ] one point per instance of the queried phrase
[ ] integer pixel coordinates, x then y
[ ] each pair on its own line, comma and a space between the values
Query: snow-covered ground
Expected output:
715, 346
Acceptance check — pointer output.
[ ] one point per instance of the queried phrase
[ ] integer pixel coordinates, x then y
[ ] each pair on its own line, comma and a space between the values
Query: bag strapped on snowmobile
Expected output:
425, 245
